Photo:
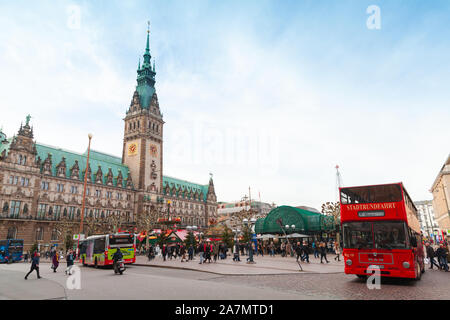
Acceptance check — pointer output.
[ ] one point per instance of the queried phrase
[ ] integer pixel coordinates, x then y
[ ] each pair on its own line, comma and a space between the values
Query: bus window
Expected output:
121, 240
372, 194
82, 247
389, 235
99, 245
358, 235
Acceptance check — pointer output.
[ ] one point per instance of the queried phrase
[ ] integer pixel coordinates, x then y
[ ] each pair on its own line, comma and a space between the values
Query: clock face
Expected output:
153, 150
132, 149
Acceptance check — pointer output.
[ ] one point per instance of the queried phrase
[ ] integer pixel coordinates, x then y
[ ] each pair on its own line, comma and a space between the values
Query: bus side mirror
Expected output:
413, 242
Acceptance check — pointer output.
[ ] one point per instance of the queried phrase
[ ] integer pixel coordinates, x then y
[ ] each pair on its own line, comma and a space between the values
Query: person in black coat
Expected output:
305, 252
323, 252
191, 252
34, 266
441, 254
298, 250
431, 255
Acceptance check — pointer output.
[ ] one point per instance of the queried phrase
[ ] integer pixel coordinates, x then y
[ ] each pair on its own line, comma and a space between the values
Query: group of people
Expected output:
208, 251
441, 254
302, 249
55, 258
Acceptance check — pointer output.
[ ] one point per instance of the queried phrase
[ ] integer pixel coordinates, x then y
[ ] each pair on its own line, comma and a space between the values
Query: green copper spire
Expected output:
147, 55
146, 76
139, 65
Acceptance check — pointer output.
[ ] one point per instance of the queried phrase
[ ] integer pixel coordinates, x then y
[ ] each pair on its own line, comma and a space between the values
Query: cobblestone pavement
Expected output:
141, 282
434, 285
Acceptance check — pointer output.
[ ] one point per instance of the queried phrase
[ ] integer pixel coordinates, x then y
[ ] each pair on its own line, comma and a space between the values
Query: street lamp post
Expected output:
84, 194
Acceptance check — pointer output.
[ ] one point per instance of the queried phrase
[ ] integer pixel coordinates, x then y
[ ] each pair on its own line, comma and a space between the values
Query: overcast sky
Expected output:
266, 94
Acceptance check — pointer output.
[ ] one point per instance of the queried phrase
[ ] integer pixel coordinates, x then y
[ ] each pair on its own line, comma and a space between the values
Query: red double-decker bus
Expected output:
381, 227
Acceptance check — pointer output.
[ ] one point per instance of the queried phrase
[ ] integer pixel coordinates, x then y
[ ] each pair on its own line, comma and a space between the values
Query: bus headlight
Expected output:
406, 265
348, 262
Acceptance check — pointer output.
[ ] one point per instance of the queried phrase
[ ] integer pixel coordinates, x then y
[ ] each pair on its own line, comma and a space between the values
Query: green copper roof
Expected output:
96, 159
146, 78
185, 185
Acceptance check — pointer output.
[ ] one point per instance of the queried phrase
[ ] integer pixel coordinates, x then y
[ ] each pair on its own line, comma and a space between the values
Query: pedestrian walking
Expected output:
215, 251
164, 251
34, 266
70, 257
315, 249
431, 255
208, 249
55, 262
183, 253
323, 252
191, 252
288, 249
236, 252
305, 252
337, 251
201, 250
150, 254
441, 253
283, 249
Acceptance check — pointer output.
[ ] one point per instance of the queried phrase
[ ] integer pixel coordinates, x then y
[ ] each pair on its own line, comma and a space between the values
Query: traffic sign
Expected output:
78, 237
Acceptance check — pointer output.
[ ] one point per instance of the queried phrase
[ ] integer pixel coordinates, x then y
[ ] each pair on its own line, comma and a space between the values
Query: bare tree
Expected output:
147, 221
333, 209
65, 227
112, 223
91, 225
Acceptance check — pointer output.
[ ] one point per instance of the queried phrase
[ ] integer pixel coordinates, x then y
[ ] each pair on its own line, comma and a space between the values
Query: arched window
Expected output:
39, 234
12, 233
129, 127
20, 159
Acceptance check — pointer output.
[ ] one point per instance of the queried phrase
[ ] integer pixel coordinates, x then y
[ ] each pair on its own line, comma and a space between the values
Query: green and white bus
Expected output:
99, 250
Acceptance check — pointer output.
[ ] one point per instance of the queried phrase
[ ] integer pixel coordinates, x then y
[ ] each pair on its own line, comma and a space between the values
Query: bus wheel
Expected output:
361, 276
418, 271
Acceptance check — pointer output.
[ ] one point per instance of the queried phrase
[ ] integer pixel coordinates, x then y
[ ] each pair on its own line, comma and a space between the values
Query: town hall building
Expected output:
40, 184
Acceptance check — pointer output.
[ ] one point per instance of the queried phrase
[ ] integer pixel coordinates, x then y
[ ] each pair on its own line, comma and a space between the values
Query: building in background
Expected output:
231, 213
427, 220
441, 197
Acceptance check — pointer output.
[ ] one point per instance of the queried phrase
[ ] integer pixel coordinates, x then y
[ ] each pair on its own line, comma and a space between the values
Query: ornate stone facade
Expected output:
41, 185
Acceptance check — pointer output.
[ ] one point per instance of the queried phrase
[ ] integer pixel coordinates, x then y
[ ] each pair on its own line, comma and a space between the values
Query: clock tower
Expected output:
143, 132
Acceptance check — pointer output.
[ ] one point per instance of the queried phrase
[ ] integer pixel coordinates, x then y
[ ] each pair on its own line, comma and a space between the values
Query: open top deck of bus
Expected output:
378, 202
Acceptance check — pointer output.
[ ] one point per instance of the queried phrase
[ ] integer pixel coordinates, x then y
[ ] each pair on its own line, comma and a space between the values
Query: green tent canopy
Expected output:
305, 221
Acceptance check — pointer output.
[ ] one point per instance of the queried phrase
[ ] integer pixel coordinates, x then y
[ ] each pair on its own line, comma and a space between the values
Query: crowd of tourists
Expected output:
209, 251
440, 253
